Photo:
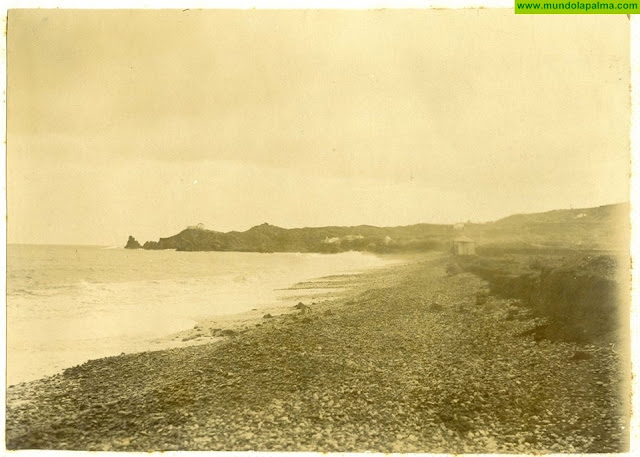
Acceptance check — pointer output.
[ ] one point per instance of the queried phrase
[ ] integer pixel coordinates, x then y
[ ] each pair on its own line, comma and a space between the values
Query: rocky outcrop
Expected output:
151, 245
132, 243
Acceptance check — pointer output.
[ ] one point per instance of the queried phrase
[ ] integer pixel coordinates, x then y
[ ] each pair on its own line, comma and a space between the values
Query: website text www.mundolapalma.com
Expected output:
575, 7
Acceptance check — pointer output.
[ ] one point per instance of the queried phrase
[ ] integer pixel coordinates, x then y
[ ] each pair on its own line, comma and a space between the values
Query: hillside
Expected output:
603, 227
269, 238
586, 228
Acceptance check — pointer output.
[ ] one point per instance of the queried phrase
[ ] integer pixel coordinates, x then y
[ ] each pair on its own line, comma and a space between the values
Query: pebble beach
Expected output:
403, 359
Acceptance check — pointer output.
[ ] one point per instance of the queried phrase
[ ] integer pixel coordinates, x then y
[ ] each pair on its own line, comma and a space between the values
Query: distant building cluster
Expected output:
338, 240
200, 226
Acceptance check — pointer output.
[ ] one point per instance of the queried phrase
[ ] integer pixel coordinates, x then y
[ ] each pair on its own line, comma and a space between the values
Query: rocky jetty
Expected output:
411, 364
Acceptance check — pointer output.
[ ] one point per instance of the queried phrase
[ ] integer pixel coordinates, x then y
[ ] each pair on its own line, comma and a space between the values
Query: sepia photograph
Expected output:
389, 230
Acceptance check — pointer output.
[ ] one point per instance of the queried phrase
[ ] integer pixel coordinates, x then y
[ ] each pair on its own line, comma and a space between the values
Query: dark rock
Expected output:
304, 309
226, 332
539, 332
132, 243
151, 245
267, 316
581, 355
482, 296
511, 314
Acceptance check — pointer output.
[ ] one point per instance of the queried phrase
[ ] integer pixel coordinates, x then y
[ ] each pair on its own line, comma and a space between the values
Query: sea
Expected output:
70, 304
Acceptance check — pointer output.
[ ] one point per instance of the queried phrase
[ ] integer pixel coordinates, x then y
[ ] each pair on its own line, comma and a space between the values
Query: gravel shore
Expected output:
407, 362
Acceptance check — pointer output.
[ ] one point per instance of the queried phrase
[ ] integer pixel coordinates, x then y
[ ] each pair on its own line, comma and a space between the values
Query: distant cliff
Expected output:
269, 238
589, 228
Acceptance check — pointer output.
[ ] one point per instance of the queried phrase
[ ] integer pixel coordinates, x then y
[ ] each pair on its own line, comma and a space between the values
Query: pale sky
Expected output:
143, 122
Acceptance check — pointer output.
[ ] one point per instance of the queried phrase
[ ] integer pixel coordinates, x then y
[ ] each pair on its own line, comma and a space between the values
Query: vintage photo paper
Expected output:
398, 230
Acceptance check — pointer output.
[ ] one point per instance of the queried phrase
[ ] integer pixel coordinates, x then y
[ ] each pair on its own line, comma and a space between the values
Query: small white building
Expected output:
463, 245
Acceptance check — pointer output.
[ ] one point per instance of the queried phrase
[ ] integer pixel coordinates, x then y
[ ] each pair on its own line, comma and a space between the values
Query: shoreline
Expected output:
336, 290
405, 362
217, 328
